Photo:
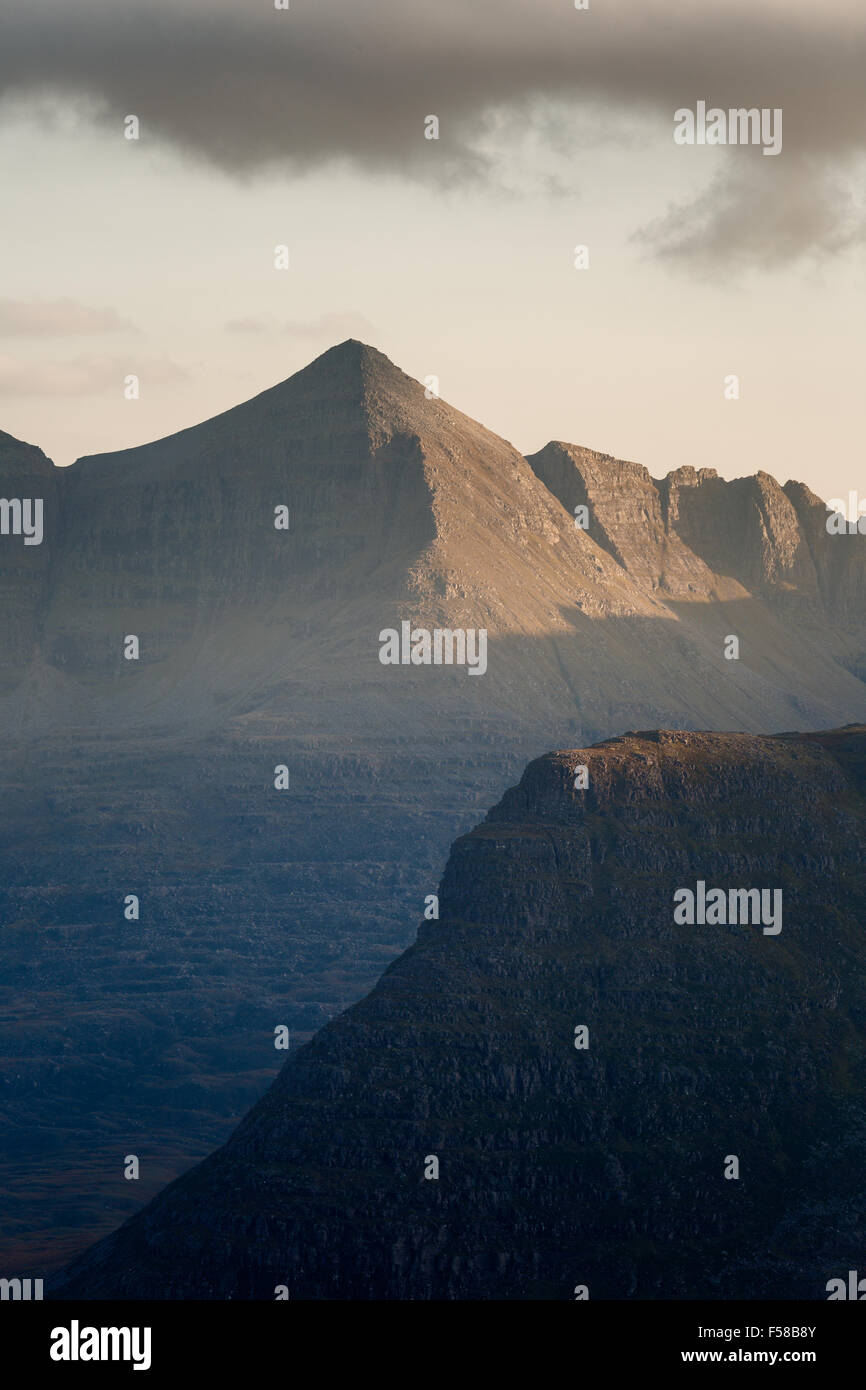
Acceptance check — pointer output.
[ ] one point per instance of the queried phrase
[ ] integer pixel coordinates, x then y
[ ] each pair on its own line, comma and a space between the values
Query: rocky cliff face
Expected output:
559, 1166
692, 534
840, 565
260, 647
626, 515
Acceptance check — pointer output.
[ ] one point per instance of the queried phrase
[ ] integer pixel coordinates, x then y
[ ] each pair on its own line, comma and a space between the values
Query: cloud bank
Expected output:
251, 88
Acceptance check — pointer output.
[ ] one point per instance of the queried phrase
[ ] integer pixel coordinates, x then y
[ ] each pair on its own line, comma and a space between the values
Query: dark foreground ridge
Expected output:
562, 1166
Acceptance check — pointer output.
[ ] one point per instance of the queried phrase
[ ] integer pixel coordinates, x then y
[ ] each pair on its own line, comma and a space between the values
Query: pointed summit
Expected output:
314, 406
358, 375
344, 367
351, 355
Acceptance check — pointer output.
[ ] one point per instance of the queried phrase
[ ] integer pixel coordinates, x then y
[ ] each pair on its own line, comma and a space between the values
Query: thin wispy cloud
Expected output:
84, 376
329, 328
765, 217
56, 318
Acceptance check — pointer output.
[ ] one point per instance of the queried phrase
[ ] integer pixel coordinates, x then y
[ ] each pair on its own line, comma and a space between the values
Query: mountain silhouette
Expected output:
550, 1090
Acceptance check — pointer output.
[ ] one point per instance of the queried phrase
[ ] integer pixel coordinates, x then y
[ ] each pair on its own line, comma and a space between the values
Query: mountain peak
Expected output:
353, 366
349, 357
353, 350
348, 392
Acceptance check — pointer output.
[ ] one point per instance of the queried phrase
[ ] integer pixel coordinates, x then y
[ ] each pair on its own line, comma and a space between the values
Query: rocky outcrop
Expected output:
607, 1165
746, 529
625, 512
838, 558
691, 534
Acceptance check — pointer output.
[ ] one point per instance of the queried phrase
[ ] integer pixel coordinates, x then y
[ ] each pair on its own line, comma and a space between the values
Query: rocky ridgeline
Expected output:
695, 535
398, 506
605, 1165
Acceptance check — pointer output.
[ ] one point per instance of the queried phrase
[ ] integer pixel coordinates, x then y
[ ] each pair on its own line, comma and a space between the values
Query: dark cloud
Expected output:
248, 87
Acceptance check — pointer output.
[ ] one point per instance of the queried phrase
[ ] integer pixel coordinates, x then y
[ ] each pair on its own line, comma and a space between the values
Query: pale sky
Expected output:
454, 257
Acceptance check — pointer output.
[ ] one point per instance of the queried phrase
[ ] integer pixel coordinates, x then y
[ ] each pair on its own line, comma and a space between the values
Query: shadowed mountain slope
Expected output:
561, 1166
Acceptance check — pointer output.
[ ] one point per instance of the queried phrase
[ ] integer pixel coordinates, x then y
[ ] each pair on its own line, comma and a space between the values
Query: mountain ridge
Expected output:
369, 357
403, 494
